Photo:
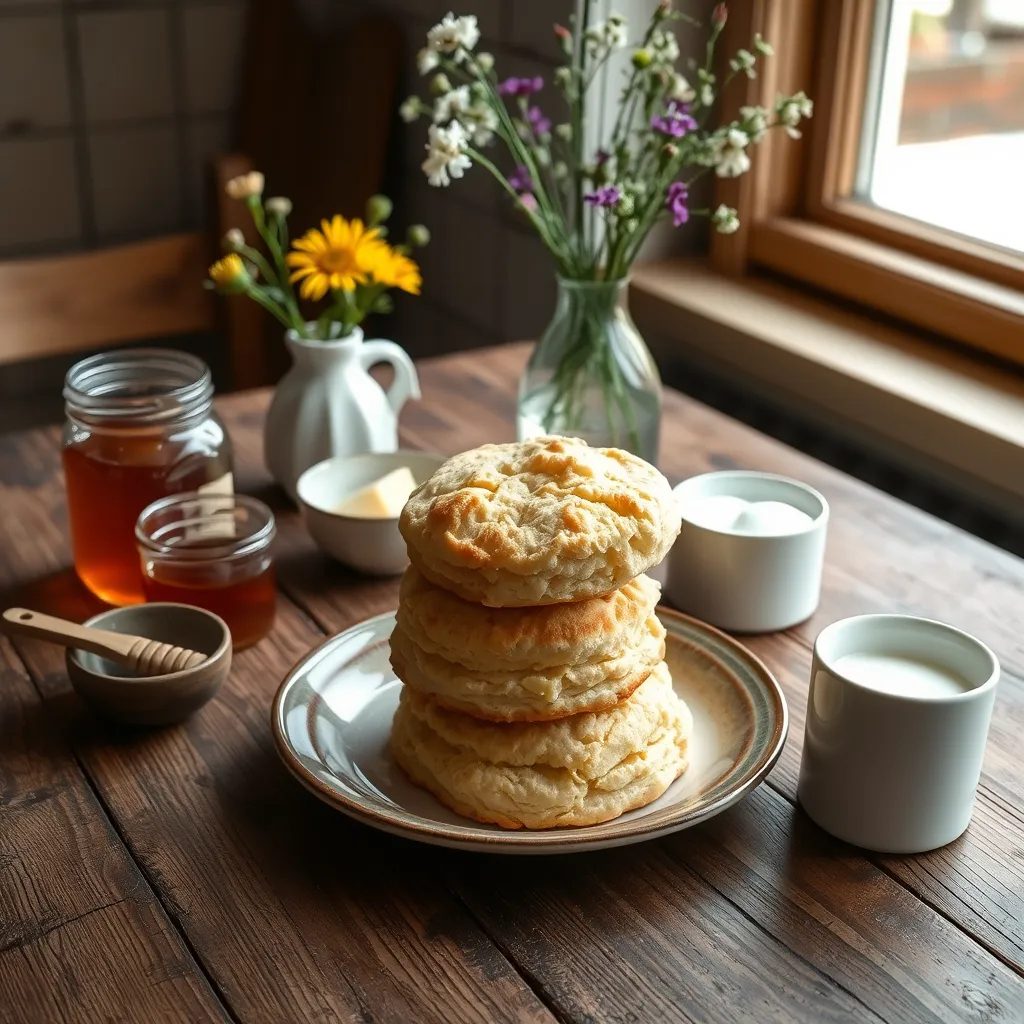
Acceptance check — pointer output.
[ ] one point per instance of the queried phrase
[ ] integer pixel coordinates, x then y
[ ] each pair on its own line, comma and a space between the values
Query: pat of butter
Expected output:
383, 499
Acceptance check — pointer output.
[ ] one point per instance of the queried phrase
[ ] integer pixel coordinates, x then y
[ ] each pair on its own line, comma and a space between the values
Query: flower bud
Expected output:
233, 240
485, 61
418, 236
562, 77
230, 275
664, 9
564, 132
632, 225
440, 84
669, 151
625, 206
278, 206
642, 59
378, 209
245, 186
719, 16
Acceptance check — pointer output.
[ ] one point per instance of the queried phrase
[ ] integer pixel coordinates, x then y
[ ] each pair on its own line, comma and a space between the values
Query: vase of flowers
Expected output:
327, 404
593, 191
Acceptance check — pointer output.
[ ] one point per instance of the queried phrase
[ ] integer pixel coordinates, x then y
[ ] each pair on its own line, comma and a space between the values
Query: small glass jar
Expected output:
211, 551
140, 425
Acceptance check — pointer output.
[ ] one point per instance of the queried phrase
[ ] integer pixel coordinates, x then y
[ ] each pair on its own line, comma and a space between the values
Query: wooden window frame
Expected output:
797, 217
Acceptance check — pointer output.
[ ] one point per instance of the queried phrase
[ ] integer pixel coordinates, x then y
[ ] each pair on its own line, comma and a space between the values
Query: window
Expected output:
906, 193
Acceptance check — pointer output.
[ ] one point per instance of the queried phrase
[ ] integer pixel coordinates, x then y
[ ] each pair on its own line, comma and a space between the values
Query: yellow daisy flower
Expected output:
341, 255
229, 273
398, 271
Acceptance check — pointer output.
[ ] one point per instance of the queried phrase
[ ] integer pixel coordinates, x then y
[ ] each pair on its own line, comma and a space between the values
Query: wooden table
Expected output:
183, 875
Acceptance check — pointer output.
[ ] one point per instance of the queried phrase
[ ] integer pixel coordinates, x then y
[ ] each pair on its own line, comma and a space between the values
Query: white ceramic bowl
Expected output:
373, 546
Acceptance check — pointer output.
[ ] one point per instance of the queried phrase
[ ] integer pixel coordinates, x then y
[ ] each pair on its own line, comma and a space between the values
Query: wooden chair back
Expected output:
69, 303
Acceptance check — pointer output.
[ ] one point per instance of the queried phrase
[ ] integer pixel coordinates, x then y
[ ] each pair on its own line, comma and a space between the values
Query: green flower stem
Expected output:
282, 276
256, 294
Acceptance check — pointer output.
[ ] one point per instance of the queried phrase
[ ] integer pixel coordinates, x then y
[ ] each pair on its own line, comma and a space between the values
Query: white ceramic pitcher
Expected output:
327, 404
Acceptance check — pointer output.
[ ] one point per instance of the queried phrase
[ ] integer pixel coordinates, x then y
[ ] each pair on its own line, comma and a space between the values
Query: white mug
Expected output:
897, 719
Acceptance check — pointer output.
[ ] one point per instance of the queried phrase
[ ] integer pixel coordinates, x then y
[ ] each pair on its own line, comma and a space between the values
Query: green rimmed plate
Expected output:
332, 717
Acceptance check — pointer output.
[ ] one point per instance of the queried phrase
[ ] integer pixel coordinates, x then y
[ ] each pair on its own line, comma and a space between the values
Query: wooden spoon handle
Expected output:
139, 653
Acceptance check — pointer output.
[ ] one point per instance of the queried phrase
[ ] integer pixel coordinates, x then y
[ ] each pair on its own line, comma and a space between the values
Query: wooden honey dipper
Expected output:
139, 654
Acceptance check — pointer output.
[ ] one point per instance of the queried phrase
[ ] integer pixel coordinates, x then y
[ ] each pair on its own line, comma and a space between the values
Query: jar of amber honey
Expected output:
140, 425
211, 551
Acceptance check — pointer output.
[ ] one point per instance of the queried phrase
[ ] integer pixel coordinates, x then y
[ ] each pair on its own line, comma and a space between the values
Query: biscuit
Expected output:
530, 694
539, 522
522, 639
577, 771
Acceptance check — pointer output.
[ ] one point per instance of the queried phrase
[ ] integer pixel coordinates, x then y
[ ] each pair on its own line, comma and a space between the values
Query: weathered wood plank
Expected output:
82, 936
296, 912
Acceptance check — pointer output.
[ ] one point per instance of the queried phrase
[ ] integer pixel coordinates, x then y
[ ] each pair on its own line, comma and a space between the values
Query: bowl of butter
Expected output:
351, 504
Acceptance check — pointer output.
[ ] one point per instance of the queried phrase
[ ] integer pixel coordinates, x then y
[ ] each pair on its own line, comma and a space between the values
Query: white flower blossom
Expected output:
725, 220
755, 122
707, 95
664, 46
445, 156
681, 90
744, 61
452, 105
485, 62
762, 46
454, 35
791, 109
410, 109
731, 154
606, 36
482, 122
426, 60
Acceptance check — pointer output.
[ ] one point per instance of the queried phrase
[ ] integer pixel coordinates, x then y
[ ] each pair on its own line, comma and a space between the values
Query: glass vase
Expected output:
591, 374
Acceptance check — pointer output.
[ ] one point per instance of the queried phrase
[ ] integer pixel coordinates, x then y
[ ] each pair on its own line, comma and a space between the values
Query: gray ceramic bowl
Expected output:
155, 700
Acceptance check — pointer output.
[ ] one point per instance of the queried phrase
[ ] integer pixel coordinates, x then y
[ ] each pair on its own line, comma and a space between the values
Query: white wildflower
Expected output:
452, 105
245, 186
410, 109
744, 61
426, 60
755, 122
725, 220
791, 109
482, 122
485, 62
762, 46
731, 154
454, 35
664, 47
606, 36
445, 156
707, 95
681, 90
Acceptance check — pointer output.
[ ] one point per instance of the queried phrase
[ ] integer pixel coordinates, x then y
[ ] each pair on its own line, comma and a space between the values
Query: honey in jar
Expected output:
212, 551
140, 426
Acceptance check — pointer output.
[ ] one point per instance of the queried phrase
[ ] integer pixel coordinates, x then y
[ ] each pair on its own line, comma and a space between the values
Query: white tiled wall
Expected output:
108, 111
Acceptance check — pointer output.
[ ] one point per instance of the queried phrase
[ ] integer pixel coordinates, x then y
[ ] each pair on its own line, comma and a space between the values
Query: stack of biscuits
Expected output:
536, 693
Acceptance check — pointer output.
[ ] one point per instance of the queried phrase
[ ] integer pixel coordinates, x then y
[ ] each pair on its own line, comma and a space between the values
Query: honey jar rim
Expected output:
98, 390
234, 548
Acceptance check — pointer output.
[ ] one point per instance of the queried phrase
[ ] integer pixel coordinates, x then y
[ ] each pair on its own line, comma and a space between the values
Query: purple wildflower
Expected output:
528, 201
520, 179
608, 196
538, 122
676, 202
676, 121
522, 87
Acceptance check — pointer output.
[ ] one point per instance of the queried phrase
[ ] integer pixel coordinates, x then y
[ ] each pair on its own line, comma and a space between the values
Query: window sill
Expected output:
950, 417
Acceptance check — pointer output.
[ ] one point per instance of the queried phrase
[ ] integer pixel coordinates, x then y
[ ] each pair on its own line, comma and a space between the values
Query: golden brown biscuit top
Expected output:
541, 505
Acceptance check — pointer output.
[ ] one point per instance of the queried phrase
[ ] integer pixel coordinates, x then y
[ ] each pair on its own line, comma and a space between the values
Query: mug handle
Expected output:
406, 384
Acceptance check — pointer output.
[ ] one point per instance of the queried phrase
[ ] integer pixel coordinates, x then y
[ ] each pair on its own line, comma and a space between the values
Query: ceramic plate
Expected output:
332, 717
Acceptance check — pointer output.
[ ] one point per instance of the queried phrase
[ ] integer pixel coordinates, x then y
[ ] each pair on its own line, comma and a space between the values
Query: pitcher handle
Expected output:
406, 384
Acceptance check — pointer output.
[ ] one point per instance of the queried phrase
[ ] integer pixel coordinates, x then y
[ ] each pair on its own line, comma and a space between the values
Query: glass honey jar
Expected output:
211, 551
140, 426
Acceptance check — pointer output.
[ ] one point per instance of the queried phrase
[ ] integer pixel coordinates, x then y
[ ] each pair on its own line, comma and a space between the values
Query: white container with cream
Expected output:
897, 720
750, 554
